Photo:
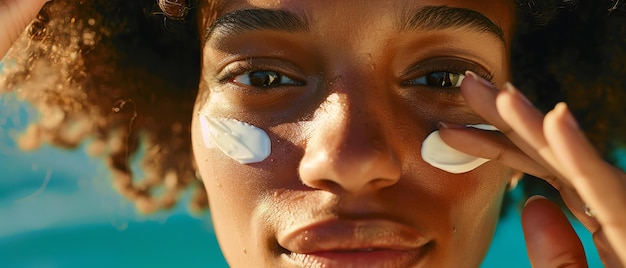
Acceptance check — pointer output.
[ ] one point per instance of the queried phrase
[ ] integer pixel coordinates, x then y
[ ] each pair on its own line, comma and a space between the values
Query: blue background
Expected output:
58, 209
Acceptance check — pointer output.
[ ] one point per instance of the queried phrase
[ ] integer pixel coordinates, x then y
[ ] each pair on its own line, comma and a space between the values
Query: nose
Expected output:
347, 151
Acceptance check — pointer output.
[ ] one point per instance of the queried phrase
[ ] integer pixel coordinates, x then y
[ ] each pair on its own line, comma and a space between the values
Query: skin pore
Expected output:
347, 93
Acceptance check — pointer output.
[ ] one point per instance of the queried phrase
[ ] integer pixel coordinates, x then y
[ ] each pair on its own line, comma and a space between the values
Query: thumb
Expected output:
14, 16
550, 239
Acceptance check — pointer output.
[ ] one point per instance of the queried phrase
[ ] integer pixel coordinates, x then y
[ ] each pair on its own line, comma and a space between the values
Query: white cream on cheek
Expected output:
249, 144
240, 141
440, 155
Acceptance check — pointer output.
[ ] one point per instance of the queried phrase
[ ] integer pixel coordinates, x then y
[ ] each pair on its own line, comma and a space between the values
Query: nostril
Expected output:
382, 183
362, 167
349, 150
324, 184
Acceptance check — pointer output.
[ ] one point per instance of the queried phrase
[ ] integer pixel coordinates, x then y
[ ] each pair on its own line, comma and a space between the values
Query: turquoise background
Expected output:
58, 209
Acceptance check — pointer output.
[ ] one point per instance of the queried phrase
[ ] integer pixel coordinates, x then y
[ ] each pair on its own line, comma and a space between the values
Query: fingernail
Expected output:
533, 198
562, 108
449, 125
511, 89
478, 79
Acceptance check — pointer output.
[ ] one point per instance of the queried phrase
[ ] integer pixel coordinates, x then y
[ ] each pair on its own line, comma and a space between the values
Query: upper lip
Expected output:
351, 235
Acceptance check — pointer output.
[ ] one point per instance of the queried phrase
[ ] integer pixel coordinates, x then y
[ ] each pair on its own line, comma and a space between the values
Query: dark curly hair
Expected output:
124, 75
575, 51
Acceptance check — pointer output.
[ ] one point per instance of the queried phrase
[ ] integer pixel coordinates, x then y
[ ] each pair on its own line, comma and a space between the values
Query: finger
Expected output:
484, 100
491, 145
521, 115
601, 186
524, 125
480, 95
517, 111
14, 16
550, 239
576, 205
527, 122
608, 255
494, 145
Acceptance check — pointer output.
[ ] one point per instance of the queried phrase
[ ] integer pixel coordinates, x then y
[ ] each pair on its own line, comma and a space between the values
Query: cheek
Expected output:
233, 188
462, 194
462, 208
477, 210
474, 198
237, 192
483, 188
229, 201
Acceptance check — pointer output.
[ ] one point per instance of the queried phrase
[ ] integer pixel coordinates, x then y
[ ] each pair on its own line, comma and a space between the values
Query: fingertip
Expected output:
561, 110
534, 198
477, 79
509, 88
561, 131
539, 211
444, 125
550, 239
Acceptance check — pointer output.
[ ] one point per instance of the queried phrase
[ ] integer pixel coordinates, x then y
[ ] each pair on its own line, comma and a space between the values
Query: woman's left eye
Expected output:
438, 79
265, 79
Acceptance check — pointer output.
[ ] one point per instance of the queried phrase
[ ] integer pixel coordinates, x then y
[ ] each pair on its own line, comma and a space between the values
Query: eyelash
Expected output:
453, 66
230, 73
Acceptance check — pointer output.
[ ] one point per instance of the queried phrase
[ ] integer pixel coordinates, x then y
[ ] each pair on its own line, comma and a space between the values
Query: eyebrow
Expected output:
428, 17
258, 19
443, 17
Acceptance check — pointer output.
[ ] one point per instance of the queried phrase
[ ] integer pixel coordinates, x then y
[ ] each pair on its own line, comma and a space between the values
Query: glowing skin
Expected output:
240, 141
347, 92
438, 154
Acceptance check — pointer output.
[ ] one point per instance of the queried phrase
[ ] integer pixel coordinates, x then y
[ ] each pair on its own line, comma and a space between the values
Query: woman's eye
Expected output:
265, 79
438, 79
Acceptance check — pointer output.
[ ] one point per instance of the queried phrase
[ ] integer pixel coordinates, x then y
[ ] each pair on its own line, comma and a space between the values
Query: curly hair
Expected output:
582, 65
124, 75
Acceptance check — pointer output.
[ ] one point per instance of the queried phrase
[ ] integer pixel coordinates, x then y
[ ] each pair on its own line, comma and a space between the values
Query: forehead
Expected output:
347, 13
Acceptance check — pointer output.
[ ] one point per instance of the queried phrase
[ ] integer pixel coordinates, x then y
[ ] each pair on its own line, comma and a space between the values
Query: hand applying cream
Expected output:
440, 155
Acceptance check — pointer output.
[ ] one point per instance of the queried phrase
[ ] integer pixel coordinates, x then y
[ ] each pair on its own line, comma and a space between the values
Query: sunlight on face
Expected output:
347, 93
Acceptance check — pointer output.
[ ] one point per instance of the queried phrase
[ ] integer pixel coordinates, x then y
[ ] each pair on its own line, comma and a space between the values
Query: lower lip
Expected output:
350, 259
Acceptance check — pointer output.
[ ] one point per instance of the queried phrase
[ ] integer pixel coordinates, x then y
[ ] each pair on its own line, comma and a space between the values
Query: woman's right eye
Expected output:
265, 79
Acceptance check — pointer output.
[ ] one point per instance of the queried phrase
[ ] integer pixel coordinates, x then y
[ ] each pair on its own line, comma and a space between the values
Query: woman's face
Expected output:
347, 92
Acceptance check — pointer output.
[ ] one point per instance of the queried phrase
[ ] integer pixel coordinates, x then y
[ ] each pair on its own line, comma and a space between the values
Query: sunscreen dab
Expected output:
240, 141
440, 155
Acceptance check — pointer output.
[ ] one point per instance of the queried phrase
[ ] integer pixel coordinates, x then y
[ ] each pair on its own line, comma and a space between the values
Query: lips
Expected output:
353, 243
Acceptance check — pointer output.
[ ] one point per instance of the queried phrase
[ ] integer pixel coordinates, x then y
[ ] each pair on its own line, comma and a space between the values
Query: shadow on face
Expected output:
347, 93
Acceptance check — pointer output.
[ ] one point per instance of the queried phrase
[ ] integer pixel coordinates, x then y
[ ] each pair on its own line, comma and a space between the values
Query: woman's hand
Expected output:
551, 147
14, 16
